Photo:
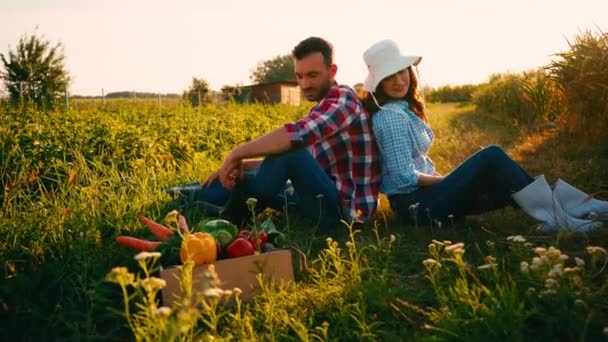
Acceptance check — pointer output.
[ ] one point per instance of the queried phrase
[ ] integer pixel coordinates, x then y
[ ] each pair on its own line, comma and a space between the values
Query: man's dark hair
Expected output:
312, 45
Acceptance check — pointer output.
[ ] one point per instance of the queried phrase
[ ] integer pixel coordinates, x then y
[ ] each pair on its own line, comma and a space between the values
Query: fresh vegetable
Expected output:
161, 232
213, 225
240, 247
267, 247
257, 239
182, 224
139, 245
198, 247
223, 237
245, 234
274, 235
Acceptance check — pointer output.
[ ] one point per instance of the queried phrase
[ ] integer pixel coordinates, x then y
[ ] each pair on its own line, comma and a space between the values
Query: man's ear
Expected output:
333, 69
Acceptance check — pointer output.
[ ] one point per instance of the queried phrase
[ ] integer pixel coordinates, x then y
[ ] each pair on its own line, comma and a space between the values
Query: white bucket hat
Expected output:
384, 59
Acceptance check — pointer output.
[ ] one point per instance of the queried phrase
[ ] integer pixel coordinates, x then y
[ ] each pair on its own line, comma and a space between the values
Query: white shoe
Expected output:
537, 200
578, 204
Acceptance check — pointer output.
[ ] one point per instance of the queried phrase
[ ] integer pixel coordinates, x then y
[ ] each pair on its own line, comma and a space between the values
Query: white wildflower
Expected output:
548, 292
213, 292
153, 284
595, 250
392, 238
524, 267
553, 252
516, 238
455, 248
537, 261
579, 262
146, 255
555, 271
163, 311
431, 263
550, 282
540, 250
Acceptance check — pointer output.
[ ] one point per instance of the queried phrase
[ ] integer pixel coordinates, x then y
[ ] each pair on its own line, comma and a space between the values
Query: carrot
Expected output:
182, 224
138, 244
161, 232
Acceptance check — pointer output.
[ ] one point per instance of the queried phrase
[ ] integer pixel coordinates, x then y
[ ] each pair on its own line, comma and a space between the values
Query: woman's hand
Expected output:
429, 180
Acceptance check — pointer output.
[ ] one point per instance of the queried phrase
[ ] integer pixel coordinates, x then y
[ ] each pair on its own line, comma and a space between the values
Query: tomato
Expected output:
245, 234
258, 239
239, 247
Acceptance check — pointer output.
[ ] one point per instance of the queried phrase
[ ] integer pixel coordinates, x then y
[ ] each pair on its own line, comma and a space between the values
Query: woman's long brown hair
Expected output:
413, 98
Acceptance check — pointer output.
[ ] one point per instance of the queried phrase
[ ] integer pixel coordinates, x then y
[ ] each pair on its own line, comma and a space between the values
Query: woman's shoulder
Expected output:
394, 109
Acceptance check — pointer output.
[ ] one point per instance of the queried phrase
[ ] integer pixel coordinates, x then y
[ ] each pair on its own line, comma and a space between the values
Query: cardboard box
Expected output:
240, 272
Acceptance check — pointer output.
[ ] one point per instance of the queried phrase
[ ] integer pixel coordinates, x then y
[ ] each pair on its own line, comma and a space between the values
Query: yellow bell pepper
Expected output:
198, 247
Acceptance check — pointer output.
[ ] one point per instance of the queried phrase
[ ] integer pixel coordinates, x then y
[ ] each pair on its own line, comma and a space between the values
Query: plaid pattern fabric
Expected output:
338, 133
404, 140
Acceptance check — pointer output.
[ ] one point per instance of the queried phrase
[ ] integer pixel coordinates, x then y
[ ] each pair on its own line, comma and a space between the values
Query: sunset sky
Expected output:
158, 46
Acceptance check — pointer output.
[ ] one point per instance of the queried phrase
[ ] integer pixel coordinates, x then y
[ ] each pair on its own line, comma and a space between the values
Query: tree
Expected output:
34, 72
280, 68
198, 93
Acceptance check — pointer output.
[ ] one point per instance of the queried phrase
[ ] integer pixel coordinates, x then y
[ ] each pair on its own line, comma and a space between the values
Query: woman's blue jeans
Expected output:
483, 182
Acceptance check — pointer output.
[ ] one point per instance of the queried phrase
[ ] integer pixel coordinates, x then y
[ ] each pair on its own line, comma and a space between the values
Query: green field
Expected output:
74, 180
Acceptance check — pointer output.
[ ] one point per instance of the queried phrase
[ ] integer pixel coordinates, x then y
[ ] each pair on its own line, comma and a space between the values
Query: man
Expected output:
330, 155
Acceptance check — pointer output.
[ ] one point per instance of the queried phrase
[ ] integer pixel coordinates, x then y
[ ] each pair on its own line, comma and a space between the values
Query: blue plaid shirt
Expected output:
404, 140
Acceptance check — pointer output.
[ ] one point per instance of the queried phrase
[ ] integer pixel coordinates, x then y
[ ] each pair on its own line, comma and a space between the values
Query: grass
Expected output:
382, 281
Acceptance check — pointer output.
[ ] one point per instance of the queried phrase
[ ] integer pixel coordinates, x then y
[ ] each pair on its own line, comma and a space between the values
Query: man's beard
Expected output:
322, 91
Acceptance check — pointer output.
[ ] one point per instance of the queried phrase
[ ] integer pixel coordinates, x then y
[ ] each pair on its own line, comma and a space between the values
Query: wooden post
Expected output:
67, 99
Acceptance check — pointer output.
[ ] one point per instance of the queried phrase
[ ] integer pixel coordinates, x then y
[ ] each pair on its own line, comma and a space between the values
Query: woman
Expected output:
487, 180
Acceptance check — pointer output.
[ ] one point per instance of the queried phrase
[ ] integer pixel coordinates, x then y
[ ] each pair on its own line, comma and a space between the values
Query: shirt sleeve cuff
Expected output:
415, 177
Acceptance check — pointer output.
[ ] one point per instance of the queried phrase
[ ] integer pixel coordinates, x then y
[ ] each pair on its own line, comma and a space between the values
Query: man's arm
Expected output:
275, 142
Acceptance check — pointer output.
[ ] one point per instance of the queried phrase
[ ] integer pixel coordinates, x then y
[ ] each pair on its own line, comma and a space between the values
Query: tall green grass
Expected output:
572, 90
59, 220
582, 72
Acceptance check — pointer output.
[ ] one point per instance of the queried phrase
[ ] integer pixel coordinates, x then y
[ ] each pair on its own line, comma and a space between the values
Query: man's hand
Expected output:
275, 142
215, 175
231, 170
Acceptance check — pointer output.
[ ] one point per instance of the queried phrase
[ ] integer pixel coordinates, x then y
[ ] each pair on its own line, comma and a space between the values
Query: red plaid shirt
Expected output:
338, 133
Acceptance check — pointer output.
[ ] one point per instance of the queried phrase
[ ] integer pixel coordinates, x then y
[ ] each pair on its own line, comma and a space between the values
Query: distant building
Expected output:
287, 92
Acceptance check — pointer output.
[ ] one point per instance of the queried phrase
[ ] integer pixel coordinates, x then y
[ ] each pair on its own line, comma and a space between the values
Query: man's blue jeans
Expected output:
292, 179
484, 182
317, 196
